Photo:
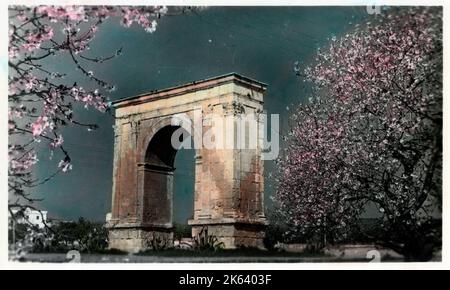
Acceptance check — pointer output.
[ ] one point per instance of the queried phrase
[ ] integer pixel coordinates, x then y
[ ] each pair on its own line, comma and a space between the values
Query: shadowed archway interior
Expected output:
159, 178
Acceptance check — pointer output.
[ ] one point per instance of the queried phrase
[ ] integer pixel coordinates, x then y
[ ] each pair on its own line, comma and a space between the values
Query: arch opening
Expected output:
183, 193
166, 188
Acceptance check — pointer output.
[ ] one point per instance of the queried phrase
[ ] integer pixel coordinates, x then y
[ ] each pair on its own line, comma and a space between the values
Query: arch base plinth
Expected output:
138, 239
233, 234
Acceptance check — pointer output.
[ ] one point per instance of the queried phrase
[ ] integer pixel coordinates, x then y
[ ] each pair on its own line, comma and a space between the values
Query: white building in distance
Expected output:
31, 216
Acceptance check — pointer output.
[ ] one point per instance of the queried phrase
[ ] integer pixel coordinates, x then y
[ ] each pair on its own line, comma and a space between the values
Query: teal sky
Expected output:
259, 42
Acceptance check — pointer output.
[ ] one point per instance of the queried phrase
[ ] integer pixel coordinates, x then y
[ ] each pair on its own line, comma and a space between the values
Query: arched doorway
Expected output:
158, 178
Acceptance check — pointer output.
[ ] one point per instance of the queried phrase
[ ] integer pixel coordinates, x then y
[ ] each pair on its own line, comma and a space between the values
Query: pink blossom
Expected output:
23, 163
31, 82
58, 141
371, 124
40, 125
33, 43
65, 165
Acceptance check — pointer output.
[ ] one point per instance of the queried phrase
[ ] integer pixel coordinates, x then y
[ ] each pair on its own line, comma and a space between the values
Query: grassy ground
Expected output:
243, 255
189, 256
227, 253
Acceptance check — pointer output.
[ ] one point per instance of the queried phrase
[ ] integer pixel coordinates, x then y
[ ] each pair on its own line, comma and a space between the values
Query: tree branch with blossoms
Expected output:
40, 101
371, 135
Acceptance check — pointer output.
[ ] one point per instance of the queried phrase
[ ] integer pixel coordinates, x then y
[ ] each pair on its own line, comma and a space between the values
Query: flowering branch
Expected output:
371, 135
40, 101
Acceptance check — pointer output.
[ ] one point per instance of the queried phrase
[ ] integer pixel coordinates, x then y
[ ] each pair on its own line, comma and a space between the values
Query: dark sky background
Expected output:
259, 42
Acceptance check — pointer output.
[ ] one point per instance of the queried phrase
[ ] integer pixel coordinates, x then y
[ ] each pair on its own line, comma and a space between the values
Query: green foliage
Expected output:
158, 243
83, 235
181, 231
274, 231
206, 242
20, 232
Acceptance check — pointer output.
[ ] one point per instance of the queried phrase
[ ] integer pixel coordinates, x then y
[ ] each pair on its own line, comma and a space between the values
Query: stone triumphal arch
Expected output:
229, 185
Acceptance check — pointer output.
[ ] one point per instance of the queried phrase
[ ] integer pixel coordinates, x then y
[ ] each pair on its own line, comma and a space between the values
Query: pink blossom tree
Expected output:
370, 136
41, 101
